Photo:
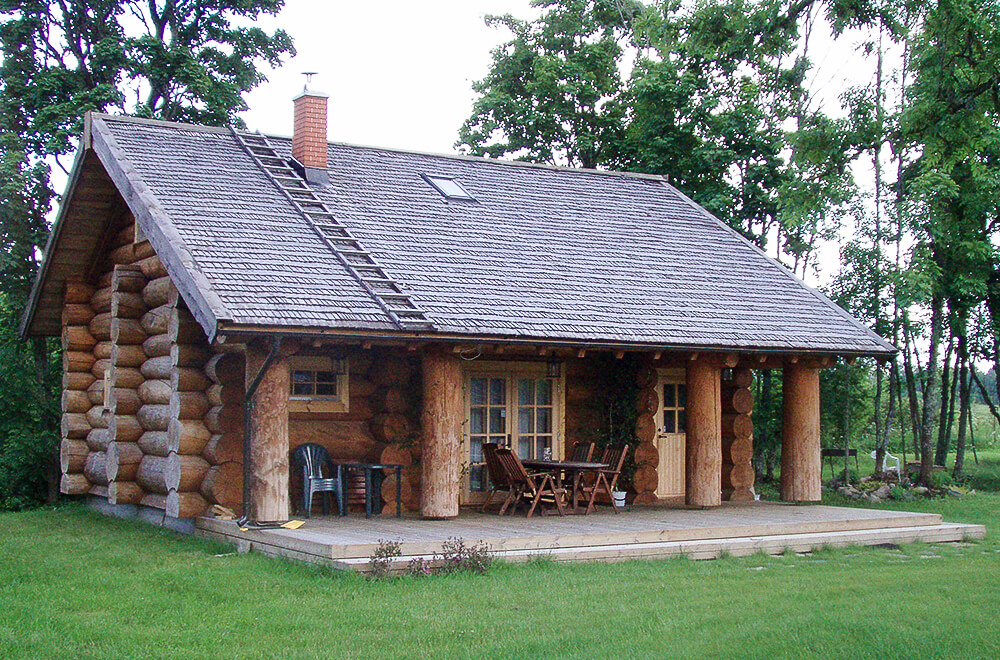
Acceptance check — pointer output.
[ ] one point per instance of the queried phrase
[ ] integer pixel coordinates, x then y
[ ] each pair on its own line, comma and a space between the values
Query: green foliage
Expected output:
941, 480
767, 420
899, 493
382, 558
29, 454
551, 95
189, 61
710, 93
620, 410
458, 556
846, 404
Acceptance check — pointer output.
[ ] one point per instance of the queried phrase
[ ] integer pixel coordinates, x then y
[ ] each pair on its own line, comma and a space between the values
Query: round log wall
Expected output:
646, 454
187, 434
123, 454
134, 398
78, 360
737, 436
223, 481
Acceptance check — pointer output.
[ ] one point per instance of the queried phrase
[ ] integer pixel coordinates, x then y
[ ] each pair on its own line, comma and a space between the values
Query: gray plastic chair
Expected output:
310, 459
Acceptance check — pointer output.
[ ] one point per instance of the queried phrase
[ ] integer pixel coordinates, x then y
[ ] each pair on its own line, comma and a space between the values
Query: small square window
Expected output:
449, 187
319, 384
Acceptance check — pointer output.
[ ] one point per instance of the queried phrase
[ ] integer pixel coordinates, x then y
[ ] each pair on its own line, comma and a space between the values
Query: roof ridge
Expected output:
145, 121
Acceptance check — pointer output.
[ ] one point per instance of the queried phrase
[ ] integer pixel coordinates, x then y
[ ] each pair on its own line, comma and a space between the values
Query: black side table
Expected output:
369, 469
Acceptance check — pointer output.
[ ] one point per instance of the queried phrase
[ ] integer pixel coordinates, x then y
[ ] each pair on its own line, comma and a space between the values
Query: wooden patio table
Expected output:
575, 469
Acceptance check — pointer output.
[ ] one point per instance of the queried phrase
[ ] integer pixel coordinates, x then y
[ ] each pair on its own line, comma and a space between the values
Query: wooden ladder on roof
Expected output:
387, 292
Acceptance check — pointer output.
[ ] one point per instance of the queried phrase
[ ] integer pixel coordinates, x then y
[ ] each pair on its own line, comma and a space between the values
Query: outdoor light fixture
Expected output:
554, 369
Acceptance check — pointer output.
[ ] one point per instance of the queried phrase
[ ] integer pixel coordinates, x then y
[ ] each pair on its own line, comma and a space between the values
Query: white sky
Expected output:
399, 73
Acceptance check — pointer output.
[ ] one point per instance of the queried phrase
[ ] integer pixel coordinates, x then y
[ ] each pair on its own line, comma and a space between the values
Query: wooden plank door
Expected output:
671, 438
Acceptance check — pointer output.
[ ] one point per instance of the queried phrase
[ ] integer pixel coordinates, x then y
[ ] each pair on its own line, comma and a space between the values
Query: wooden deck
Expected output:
646, 532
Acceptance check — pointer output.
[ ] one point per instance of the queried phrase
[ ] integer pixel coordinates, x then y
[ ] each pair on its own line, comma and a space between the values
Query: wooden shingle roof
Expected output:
544, 253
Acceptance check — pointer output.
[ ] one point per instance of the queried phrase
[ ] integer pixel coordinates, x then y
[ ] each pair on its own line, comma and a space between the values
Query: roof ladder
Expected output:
387, 292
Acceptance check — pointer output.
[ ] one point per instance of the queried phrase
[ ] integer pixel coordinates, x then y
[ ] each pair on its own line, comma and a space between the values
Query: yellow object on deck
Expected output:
293, 524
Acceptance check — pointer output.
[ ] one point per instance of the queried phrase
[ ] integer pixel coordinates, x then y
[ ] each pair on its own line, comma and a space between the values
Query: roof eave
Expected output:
237, 330
27, 321
874, 336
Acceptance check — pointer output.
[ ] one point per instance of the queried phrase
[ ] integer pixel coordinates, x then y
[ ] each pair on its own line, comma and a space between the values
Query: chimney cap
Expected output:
310, 92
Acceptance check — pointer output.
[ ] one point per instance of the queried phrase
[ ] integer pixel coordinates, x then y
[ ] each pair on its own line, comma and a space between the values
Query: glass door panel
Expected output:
487, 423
535, 418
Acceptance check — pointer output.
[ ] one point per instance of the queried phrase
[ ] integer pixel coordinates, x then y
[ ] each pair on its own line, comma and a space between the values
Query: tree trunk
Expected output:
964, 411
847, 425
268, 418
704, 435
880, 437
442, 422
932, 399
911, 392
948, 382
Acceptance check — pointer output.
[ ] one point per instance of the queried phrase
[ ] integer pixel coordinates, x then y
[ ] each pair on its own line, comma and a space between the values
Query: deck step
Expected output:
713, 548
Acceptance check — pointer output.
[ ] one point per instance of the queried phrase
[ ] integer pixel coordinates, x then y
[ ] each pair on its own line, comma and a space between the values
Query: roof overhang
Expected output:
764, 356
79, 225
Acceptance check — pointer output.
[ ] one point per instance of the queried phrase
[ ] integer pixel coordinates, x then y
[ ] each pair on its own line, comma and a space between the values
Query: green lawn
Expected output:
74, 584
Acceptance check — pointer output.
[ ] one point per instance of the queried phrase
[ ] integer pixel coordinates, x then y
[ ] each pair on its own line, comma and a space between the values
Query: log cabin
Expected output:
224, 296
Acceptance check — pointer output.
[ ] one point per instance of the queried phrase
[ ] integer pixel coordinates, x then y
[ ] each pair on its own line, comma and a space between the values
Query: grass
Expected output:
74, 584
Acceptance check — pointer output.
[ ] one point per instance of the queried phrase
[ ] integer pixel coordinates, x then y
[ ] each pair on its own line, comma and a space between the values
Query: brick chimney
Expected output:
309, 136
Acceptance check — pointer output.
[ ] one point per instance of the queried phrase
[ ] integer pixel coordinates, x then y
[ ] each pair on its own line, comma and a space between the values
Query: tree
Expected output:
552, 94
188, 60
951, 120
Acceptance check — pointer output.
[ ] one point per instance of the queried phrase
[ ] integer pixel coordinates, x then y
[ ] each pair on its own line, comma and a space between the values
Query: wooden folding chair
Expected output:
495, 472
523, 485
582, 452
614, 458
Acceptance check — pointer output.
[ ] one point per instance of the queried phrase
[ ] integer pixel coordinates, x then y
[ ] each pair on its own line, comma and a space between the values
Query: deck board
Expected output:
640, 532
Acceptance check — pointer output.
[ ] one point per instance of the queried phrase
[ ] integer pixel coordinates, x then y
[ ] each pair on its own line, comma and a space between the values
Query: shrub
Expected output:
418, 567
457, 556
898, 492
381, 559
941, 480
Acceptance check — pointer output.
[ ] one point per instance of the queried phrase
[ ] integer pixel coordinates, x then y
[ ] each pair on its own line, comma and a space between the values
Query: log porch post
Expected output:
441, 424
704, 434
800, 450
268, 422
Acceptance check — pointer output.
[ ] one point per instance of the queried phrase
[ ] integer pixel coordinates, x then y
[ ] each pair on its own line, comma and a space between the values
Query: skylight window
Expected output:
449, 187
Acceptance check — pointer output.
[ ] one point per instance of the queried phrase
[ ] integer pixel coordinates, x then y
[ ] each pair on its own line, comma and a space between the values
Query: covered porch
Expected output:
431, 407
645, 532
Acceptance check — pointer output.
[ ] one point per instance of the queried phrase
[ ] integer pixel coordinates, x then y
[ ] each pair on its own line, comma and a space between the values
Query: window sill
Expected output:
302, 405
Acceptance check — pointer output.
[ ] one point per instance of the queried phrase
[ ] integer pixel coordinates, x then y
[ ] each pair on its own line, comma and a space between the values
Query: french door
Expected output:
519, 407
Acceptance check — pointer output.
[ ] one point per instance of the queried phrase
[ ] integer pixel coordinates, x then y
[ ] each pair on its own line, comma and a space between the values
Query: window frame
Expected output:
678, 379
337, 403
433, 179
